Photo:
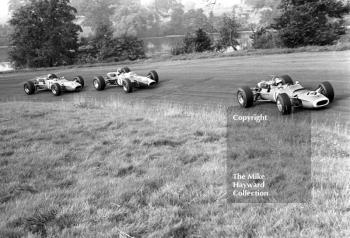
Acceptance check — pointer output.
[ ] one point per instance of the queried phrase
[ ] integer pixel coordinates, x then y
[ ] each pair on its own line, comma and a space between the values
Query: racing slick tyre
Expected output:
80, 80
56, 89
127, 86
284, 104
286, 79
245, 97
126, 69
327, 90
153, 75
99, 83
29, 88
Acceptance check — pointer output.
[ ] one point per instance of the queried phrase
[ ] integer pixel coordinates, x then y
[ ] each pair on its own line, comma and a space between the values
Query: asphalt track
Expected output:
205, 81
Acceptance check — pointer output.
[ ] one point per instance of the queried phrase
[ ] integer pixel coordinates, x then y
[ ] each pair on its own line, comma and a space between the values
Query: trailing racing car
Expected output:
127, 79
54, 83
286, 94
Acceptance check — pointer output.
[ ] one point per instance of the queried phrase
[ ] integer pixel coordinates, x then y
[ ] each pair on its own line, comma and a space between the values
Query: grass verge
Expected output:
88, 170
205, 55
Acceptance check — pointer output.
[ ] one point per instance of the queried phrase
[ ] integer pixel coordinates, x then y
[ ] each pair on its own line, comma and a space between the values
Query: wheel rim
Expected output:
125, 88
26, 89
95, 84
240, 98
53, 90
279, 106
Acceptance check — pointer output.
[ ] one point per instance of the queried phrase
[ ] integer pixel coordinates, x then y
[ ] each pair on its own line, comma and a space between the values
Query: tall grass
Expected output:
92, 170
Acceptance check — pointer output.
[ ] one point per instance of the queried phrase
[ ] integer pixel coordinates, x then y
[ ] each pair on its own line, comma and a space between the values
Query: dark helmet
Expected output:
52, 76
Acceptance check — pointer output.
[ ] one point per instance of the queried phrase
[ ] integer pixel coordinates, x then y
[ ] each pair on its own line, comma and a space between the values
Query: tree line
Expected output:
45, 32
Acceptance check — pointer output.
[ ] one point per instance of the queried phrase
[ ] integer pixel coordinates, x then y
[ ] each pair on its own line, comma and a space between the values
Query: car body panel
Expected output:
45, 83
117, 78
269, 90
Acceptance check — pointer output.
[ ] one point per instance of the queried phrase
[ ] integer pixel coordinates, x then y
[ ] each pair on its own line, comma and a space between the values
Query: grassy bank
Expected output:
205, 55
86, 170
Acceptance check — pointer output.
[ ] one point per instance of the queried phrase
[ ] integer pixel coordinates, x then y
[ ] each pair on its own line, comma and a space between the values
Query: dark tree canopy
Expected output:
229, 32
44, 34
311, 22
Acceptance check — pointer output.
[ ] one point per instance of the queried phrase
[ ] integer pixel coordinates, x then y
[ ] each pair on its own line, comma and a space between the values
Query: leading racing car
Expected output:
54, 83
127, 79
286, 94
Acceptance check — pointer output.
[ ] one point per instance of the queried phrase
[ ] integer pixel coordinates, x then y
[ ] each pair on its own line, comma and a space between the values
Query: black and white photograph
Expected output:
174, 118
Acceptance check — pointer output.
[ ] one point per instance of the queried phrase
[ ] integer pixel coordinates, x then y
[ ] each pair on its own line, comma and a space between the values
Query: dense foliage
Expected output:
229, 32
311, 22
263, 39
44, 34
198, 42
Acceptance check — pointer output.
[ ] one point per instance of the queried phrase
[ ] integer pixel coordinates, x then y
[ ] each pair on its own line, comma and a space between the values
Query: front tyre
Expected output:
99, 83
79, 79
245, 97
127, 86
327, 90
56, 89
284, 104
153, 75
29, 88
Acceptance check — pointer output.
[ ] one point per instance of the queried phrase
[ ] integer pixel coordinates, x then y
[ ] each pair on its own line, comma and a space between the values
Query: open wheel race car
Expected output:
286, 94
56, 84
127, 79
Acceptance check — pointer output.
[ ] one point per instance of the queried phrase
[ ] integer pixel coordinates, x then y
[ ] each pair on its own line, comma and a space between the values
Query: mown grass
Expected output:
89, 170
251, 52
341, 46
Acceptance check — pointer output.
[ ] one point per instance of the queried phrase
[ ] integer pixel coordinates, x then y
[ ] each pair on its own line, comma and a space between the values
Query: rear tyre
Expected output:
127, 86
56, 89
284, 104
327, 90
29, 88
80, 80
126, 69
286, 79
245, 97
99, 83
153, 75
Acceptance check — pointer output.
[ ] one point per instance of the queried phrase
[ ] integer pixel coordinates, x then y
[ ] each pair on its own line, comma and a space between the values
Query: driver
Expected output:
277, 82
119, 71
52, 76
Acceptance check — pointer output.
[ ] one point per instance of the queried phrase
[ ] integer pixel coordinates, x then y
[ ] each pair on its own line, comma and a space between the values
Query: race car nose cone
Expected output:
321, 103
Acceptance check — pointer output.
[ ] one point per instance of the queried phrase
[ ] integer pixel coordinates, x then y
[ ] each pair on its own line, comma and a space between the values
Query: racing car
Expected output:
127, 79
286, 94
54, 83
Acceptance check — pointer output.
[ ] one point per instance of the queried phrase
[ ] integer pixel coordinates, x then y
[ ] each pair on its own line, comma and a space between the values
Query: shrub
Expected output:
262, 39
311, 22
198, 42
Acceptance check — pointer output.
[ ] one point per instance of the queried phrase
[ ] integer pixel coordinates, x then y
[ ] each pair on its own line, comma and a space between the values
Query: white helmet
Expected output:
278, 81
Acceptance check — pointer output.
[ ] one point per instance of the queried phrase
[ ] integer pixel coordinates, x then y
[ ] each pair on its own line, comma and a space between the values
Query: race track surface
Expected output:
205, 81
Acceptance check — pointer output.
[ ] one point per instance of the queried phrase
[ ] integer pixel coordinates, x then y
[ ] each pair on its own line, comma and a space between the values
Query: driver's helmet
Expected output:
119, 71
52, 76
278, 81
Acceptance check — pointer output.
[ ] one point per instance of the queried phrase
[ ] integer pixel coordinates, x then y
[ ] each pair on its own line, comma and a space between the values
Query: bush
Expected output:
311, 22
202, 41
262, 39
114, 49
197, 42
